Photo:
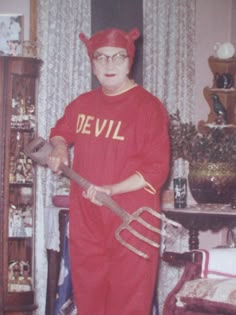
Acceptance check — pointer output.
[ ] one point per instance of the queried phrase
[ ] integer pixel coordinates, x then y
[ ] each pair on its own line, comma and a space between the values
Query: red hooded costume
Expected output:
114, 137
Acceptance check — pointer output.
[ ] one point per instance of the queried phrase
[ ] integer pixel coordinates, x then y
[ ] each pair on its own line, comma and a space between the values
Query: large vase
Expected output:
212, 182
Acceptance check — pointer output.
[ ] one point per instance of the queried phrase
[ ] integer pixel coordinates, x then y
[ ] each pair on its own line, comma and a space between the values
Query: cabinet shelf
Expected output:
222, 65
29, 130
26, 184
19, 238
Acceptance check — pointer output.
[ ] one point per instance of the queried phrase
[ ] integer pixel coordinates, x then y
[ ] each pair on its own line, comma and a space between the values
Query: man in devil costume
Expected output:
120, 136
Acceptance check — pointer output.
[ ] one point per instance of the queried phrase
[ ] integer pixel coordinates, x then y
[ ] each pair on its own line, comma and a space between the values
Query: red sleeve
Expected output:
156, 153
66, 125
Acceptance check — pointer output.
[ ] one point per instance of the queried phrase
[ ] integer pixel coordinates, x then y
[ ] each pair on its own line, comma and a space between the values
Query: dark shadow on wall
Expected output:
124, 14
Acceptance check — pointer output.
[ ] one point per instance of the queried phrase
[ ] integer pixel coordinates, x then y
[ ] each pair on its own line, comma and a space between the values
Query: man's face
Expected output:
111, 67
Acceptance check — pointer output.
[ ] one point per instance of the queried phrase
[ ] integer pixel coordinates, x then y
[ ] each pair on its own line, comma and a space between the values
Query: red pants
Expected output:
109, 279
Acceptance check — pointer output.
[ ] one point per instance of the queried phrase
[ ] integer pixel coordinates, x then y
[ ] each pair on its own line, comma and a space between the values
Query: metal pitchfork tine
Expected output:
39, 149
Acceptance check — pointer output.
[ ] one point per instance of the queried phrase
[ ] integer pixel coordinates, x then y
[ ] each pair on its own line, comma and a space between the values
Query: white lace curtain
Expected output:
169, 46
168, 72
64, 75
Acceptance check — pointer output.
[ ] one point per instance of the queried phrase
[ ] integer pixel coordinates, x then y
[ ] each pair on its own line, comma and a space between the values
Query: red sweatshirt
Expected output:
116, 136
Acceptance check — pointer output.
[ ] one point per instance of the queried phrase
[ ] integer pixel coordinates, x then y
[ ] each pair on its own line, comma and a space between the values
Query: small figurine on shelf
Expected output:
16, 271
16, 106
25, 196
28, 170
25, 266
219, 110
224, 51
12, 210
16, 222
19, 279
19, 173
12, 177
29, 48
29, 106
14, 47
17, 144
224, 80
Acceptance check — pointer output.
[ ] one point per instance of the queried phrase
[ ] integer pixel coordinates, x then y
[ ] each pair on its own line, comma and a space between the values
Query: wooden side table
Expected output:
201, 218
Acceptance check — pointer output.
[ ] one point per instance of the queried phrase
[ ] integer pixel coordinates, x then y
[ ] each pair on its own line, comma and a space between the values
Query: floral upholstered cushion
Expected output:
209, 294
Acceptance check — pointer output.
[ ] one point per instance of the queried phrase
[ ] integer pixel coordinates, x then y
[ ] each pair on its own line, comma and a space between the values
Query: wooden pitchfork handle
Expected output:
39, 150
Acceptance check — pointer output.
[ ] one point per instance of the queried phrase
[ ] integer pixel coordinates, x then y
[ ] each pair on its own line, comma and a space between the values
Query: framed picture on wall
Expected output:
11, 34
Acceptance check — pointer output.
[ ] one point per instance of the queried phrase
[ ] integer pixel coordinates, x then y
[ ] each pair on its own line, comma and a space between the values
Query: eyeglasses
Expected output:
117, 58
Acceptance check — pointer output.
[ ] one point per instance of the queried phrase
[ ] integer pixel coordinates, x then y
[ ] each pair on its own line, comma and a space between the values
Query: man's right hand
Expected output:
58, 155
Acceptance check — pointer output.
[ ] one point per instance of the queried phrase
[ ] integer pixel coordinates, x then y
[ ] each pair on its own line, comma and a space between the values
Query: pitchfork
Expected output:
39, 150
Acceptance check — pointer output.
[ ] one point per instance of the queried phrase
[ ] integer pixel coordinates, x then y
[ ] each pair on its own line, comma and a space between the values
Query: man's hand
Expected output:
59, 155
91, 193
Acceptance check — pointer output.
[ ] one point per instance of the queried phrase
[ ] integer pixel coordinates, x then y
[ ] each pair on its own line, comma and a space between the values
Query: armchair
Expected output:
207, 285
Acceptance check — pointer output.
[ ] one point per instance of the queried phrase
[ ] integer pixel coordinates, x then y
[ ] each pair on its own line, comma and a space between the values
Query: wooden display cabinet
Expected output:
17, 185
227, 96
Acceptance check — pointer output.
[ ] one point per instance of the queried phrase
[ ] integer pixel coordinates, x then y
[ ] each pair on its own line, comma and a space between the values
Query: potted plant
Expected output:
211, 153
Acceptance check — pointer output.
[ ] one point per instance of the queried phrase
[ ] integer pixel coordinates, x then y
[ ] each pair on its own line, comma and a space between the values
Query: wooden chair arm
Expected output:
191, 261
180, 259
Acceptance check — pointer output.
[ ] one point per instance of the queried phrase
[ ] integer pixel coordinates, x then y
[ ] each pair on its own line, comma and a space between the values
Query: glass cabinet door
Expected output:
21, 187
19, 184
